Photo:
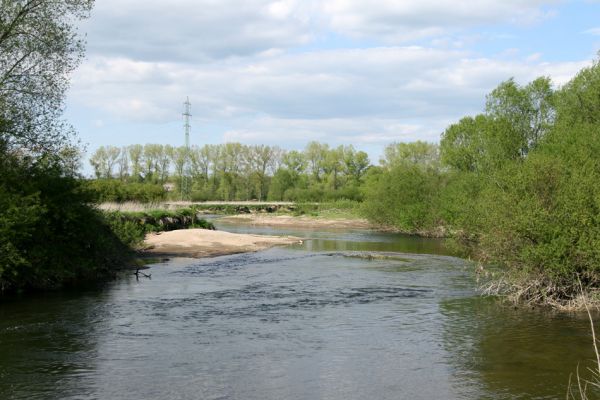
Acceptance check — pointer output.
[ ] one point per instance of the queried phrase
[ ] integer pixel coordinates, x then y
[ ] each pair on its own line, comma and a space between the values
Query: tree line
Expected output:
233, 171
515, 187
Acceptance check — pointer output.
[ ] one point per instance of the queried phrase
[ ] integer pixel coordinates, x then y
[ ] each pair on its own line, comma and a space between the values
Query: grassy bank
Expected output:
341, 209
132, 226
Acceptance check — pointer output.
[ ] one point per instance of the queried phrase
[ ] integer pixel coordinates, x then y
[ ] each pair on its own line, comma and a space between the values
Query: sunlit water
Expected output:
304, 322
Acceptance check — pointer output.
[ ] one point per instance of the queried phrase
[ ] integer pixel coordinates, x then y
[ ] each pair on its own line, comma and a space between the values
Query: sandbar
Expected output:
198, 243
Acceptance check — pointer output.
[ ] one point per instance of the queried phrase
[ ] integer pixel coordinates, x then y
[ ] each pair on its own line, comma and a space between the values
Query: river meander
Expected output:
302, 322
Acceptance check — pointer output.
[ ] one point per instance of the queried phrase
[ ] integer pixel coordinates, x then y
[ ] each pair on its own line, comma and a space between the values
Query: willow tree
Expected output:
49, 234
39, 48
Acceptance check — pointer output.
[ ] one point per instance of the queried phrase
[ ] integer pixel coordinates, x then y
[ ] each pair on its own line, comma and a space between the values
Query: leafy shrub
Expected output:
49, 235
131, 227
404, 197
113, 190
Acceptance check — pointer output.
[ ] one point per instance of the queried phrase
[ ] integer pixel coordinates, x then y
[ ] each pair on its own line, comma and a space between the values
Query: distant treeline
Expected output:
230, 171
516, 186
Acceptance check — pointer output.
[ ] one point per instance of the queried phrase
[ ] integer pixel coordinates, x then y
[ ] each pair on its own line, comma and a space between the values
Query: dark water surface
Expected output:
305, 322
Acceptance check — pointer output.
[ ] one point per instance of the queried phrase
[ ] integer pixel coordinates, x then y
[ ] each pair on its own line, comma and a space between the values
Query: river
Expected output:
301, 322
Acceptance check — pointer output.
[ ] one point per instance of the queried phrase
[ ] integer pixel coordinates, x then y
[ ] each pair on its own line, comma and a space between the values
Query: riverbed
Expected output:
309, 321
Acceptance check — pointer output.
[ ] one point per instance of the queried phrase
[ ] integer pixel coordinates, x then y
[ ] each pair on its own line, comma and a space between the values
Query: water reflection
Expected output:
289, 323
507, 353
47, 345
347, 239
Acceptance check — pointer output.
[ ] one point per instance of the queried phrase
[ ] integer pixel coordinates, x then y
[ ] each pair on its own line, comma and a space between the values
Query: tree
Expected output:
404, 197
164, 162
315, 154
98, 161
135, 156
262, 158
123, 164
415, 153
39, 48
180, 157
579, 100
294, 161
355, 163
528, 111
151, 158
104, 159
333, 165
462, 144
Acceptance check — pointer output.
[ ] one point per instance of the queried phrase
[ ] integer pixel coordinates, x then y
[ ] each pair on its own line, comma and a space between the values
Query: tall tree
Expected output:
414, 153
527, 111
39, 47
315, 154
135, 156
356, 163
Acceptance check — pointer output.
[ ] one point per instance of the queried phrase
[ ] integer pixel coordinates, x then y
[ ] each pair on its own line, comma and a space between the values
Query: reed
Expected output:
586, 389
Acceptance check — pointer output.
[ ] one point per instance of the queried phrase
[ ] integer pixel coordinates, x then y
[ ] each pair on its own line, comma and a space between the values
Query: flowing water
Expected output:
304, 322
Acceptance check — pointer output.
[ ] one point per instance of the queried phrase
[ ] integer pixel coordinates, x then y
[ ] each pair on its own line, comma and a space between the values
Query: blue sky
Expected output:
338, 71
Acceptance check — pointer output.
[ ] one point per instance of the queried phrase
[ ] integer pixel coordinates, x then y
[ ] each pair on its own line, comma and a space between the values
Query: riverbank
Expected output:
198, 243
303, 221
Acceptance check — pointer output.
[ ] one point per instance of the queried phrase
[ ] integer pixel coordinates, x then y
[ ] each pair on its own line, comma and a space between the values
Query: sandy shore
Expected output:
289, 221
206, 243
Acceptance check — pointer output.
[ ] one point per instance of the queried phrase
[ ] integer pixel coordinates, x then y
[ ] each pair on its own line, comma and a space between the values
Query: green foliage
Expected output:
403, 197
39, 48
415, 153
49, 235
516, 119
131, 227
231, 172
330, 209
534, 205
113, 190
544, 214
540, 214
518, 186
528, 111
579, 100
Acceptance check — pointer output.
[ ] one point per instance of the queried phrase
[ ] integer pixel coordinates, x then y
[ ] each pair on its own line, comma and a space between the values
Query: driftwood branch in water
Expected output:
137, 274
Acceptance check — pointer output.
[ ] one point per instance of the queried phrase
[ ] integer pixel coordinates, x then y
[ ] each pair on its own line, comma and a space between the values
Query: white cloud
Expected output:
360, 95
248, 73
593, 31
203, 30
195, 30
401, 20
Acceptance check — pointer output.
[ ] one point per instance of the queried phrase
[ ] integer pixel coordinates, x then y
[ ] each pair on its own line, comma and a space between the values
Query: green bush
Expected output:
49, 235
543, 215
131, 227
113, 190
405, 197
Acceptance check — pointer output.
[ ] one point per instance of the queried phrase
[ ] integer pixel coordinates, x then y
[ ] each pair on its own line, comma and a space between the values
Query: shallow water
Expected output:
303, 322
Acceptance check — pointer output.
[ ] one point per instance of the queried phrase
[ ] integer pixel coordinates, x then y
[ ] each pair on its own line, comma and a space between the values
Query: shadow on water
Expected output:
47, 345
508, 353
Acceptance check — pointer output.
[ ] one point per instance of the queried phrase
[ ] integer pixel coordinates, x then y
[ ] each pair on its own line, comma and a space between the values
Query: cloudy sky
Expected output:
286, 72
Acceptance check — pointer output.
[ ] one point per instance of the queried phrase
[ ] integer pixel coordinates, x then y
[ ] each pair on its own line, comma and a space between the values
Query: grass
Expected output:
340, 209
